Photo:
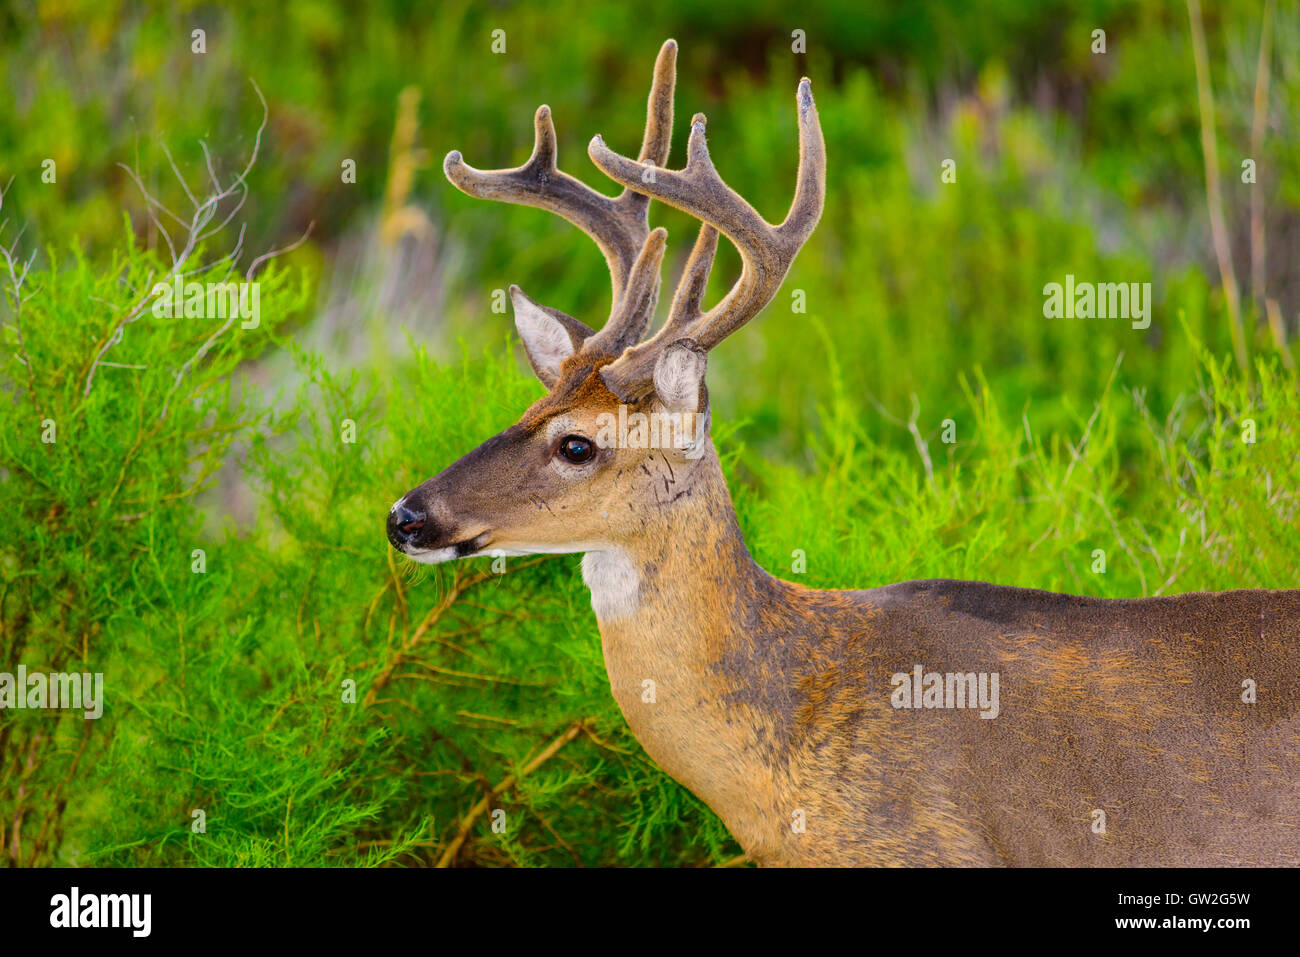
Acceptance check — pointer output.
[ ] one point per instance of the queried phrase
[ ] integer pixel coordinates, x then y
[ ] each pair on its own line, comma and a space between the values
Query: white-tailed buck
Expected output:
928, 722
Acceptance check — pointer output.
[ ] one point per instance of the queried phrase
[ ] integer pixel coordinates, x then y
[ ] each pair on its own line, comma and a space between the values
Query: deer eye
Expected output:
576, 449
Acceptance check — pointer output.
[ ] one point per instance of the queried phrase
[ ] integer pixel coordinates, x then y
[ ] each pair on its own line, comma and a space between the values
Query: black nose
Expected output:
404, 525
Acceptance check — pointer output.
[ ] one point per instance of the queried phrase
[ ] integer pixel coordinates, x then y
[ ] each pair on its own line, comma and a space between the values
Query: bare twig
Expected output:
17, 277
177, 172
467, 822
212, 339
248, 276
196, 231
921, 445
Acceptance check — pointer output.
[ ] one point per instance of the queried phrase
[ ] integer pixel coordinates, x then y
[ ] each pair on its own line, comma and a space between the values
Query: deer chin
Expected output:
432, 556
482, 544
608, 571
467, 548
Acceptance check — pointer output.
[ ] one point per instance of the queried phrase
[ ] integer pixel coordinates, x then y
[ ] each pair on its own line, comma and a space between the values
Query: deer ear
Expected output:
679, 377
549, 335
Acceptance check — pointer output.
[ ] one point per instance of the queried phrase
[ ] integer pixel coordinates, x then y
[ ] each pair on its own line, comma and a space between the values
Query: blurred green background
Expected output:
924, 303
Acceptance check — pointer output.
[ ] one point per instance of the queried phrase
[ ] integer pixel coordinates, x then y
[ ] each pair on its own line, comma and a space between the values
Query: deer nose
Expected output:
405, 524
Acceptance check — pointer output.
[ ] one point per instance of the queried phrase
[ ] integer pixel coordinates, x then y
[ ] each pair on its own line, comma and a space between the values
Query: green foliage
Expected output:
105, 443
1200, 500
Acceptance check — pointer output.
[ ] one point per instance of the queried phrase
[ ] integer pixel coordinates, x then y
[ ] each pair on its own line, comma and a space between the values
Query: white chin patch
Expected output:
611, 575
434, 556
431, 556
614, 581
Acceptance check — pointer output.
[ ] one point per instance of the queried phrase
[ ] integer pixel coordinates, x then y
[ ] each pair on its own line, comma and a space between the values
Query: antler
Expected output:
620, 226
766, 251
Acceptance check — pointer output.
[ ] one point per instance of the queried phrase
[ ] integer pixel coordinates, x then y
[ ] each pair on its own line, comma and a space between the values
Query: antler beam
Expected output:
620, 225
766, 251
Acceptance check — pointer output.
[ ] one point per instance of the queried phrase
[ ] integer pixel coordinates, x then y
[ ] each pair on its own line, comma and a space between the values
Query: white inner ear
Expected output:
678, 375
546, 340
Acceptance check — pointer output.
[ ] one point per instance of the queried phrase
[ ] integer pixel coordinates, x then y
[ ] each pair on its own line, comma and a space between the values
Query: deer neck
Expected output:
671, 607
690, 559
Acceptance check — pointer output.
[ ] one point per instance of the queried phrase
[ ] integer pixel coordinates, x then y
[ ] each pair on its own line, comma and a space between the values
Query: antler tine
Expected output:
620, 225
632, 313
766, 251
685, 310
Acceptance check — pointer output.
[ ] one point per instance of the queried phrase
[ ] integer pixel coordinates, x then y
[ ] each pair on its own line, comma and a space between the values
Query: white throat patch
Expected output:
614, 581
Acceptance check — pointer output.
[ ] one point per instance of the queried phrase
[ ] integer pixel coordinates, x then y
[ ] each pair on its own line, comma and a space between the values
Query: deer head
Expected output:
622, 434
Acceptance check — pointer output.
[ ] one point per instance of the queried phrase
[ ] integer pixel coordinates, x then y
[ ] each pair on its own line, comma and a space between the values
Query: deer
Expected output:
923, 723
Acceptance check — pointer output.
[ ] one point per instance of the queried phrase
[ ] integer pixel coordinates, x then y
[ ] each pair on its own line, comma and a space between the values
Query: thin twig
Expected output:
467, 822
212, 339
203, 215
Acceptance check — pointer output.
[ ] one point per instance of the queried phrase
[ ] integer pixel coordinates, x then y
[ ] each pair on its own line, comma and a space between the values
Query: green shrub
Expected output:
101, 465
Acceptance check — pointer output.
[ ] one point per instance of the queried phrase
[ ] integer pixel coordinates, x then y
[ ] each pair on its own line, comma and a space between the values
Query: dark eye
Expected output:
576, 449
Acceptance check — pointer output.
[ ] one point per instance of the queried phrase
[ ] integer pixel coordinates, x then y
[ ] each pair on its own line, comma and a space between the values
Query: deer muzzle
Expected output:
416, 531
